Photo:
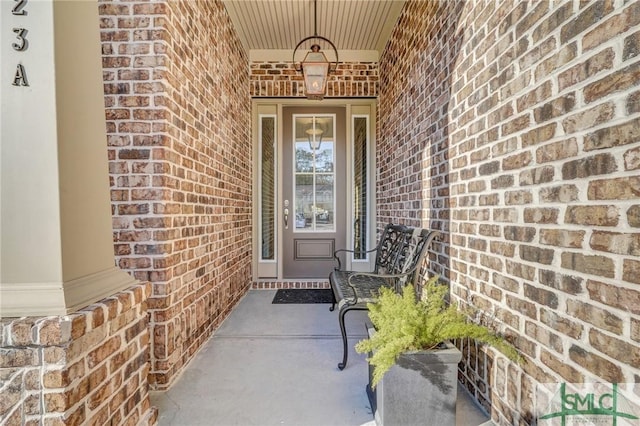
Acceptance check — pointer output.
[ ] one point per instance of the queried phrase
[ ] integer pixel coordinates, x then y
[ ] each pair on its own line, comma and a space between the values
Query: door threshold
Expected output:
279, 284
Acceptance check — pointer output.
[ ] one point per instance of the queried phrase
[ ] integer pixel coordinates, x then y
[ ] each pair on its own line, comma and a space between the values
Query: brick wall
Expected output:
177, 107
513, 127
280, 79
89, 367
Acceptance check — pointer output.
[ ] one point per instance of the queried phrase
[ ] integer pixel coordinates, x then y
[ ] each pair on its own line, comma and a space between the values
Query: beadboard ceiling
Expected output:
278, 25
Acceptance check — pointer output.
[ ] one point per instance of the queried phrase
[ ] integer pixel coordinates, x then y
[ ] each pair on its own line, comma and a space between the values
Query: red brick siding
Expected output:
177, 107
280, 79
90, 367
512, 126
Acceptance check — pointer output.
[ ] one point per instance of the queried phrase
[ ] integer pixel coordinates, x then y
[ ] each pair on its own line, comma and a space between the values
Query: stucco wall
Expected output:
512, 126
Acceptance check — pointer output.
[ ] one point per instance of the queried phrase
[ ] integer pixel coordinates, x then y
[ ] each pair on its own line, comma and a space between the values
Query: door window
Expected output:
314, 176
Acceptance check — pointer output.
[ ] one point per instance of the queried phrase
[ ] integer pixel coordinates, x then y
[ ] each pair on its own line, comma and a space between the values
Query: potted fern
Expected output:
411, 347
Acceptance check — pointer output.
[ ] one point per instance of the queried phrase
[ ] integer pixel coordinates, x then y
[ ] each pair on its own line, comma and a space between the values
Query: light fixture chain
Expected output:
315, 17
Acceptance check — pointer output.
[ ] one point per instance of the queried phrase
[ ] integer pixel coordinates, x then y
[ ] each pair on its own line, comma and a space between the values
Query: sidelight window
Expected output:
267, 173
360, 187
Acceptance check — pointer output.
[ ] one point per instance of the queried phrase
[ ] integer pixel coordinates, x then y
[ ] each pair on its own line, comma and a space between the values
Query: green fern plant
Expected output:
405, 324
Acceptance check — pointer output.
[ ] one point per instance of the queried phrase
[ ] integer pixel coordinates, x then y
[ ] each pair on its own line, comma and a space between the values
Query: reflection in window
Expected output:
314, 173
268, 182
360, 127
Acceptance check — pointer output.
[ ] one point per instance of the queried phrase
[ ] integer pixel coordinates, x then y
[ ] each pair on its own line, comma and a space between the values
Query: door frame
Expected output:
273, 270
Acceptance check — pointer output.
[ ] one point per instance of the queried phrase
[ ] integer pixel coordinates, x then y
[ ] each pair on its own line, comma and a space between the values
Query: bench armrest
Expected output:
335, 255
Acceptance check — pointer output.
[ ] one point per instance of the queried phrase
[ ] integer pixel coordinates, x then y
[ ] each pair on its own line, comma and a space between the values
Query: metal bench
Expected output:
399, 258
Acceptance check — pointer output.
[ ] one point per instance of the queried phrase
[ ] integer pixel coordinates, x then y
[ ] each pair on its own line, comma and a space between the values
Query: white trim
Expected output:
58, 298
264, 268
348, 210
284, 55
32, 299
86, 290
280, 190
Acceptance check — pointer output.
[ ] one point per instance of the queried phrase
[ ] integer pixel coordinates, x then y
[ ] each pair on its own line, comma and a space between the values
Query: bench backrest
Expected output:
401, 250
388, 247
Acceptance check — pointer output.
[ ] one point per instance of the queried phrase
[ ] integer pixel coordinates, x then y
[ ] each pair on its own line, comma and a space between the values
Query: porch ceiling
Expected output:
352, 25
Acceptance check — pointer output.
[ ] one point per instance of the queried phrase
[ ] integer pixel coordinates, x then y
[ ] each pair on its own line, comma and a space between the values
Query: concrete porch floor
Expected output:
277, 365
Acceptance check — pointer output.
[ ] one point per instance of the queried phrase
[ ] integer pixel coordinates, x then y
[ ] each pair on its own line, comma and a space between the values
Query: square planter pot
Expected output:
420, 389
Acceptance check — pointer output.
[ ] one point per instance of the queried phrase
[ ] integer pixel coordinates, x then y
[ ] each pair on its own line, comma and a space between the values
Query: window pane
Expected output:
360, 186
324, 157
267, 179
304, 158
324, 213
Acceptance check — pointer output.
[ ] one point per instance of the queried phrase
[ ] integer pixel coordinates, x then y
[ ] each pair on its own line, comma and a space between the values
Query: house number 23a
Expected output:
22, 44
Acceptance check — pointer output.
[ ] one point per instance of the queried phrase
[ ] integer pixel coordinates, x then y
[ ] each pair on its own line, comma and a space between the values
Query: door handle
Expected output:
286, 218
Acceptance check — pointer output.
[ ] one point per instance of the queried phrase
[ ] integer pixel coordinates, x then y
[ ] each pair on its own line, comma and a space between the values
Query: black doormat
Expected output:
315, 295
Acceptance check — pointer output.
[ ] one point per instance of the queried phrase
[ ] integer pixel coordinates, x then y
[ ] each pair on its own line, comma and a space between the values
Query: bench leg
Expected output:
343, 330
333, 301
345, 348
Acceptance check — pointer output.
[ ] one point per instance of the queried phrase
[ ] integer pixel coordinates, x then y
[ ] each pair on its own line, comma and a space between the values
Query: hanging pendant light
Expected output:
315, 66
314, 132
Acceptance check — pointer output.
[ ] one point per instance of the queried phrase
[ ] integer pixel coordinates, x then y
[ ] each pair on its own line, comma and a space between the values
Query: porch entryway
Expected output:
276, 365
313, 178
